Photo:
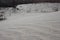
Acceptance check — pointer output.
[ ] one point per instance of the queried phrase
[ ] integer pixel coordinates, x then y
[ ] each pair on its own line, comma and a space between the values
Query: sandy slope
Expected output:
34, 26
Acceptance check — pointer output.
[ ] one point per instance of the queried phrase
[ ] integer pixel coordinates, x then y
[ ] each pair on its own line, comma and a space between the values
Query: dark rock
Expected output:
1, 19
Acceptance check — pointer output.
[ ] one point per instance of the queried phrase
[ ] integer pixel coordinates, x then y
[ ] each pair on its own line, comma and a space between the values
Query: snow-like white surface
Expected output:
31, 26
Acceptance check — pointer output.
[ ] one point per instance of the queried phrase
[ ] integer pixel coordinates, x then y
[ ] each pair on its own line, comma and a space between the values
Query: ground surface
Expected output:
31, 26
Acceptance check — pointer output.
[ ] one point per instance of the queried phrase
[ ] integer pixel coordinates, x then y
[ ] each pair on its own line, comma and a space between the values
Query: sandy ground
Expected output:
31, 26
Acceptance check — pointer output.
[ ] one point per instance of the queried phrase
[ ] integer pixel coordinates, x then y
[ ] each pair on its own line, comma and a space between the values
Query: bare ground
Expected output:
31, 26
